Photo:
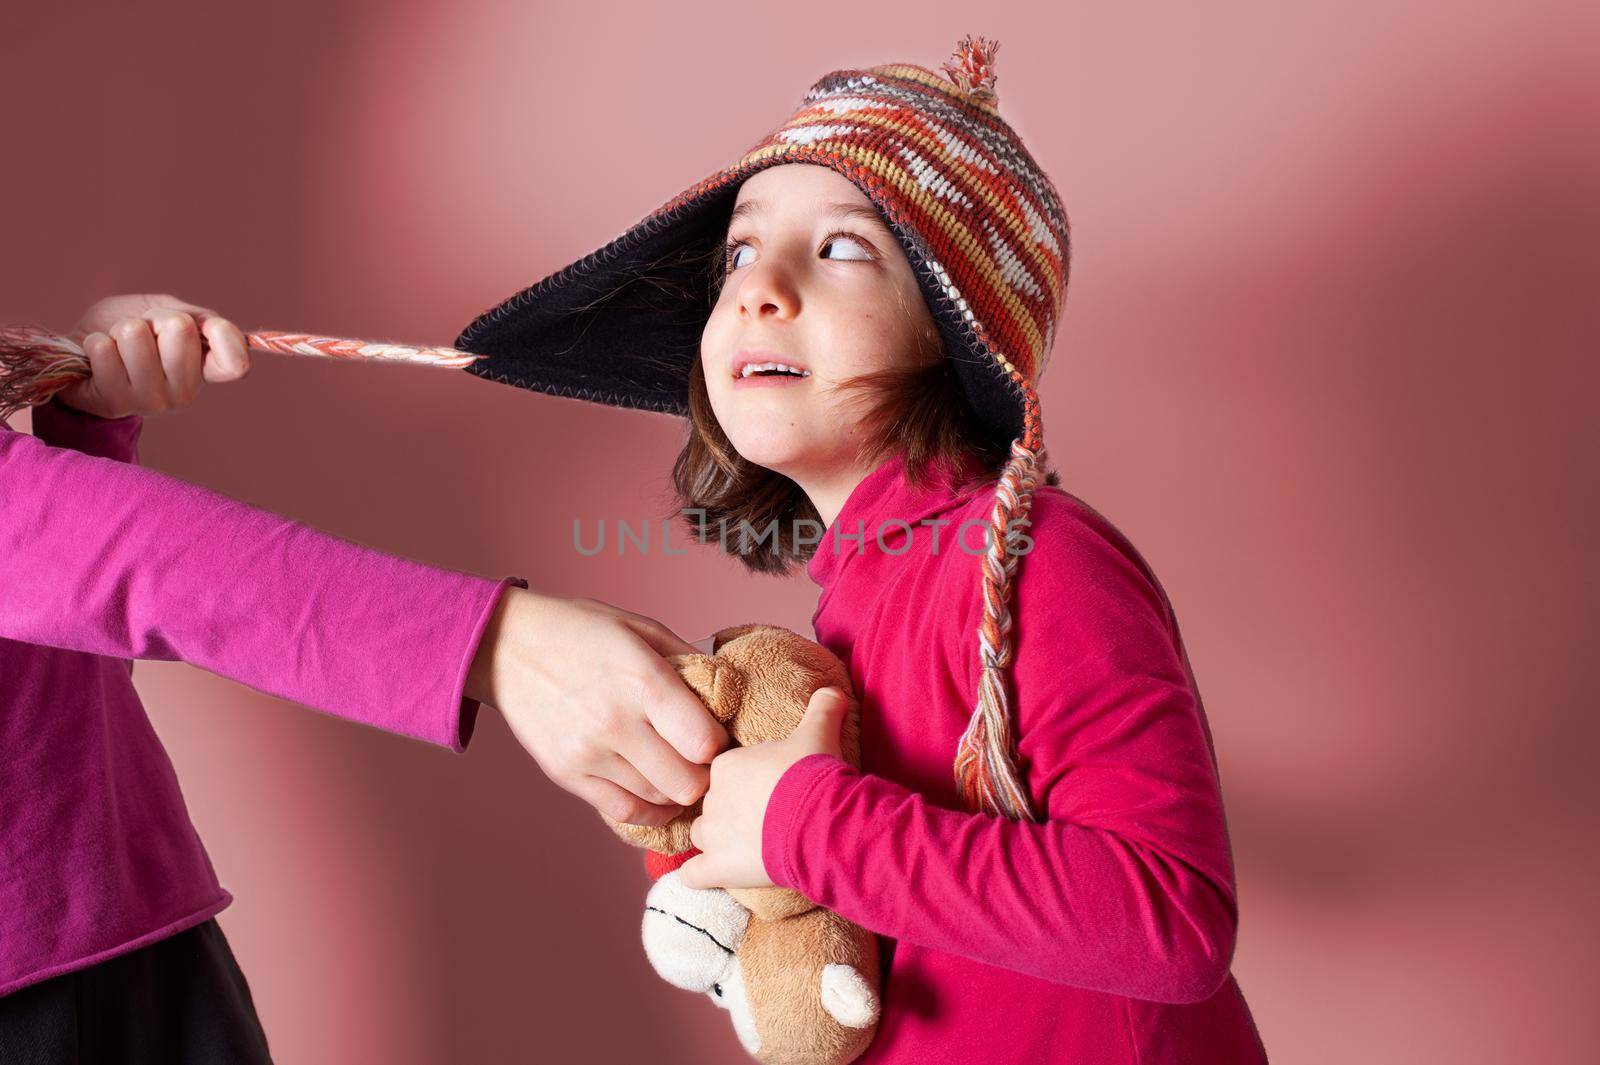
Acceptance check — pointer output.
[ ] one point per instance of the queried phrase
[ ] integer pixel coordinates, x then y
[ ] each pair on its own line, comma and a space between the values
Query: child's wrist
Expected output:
500, 636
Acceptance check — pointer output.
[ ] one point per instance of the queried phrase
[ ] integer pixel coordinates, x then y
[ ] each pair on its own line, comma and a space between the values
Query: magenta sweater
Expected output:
102, 562
1103, 934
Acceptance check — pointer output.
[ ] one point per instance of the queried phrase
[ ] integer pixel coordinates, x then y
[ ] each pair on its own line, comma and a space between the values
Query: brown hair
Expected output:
917, 411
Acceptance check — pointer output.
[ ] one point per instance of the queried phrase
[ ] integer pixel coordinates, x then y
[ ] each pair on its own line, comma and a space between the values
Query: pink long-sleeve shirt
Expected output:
1102, 934
102, 562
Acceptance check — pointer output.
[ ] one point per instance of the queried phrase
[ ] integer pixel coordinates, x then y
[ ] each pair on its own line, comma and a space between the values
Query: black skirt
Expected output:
179, 1001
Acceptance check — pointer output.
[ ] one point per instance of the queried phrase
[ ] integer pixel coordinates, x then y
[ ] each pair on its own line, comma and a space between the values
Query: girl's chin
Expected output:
784, 463
780, 456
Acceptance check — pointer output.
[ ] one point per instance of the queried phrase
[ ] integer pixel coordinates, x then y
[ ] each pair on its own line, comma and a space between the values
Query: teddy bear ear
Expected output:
719, 683
848, 997
732, 632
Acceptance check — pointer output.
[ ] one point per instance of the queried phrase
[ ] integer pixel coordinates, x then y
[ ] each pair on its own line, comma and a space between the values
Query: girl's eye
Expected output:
864, 254
730, 250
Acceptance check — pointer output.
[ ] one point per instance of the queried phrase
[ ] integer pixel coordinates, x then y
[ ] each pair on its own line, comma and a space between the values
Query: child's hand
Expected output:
743, 779
146, 356
587, 689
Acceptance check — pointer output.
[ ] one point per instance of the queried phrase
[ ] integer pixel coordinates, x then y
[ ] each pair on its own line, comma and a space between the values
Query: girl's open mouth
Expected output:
768, 374
759, 366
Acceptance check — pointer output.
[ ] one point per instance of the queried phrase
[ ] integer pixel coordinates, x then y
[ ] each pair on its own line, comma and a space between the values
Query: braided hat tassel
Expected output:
985, 765
36, 363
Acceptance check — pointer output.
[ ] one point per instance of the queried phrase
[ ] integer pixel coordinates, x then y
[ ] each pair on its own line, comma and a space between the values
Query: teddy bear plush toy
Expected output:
800, 982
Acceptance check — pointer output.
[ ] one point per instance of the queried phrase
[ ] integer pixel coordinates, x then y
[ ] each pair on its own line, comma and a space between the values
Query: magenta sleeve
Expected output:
103, 557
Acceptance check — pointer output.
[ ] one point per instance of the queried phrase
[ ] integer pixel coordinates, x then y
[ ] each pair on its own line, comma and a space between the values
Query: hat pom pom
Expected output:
971, 68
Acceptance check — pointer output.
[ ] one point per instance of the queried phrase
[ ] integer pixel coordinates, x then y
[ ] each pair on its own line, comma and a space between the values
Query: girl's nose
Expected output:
766, 290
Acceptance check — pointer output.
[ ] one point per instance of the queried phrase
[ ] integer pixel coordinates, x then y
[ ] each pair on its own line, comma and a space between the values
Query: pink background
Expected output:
1327, 358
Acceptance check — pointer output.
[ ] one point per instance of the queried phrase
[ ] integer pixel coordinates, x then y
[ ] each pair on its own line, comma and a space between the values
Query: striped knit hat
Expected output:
985, 233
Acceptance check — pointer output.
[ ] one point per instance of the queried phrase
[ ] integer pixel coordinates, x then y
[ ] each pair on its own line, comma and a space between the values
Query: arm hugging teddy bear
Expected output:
800, 982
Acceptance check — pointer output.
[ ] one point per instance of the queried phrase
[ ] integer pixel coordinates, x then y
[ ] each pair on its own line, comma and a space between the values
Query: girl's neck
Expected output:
829, 490
829, 494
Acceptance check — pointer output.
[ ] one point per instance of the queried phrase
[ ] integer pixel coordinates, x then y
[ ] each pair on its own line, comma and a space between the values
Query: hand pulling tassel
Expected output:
971, 68
985, 765
35, 363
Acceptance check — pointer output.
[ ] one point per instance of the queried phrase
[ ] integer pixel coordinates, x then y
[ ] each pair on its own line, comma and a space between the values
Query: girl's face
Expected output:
817, 282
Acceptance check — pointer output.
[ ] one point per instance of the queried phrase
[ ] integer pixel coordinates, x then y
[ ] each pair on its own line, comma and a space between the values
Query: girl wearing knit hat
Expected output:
853, 318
